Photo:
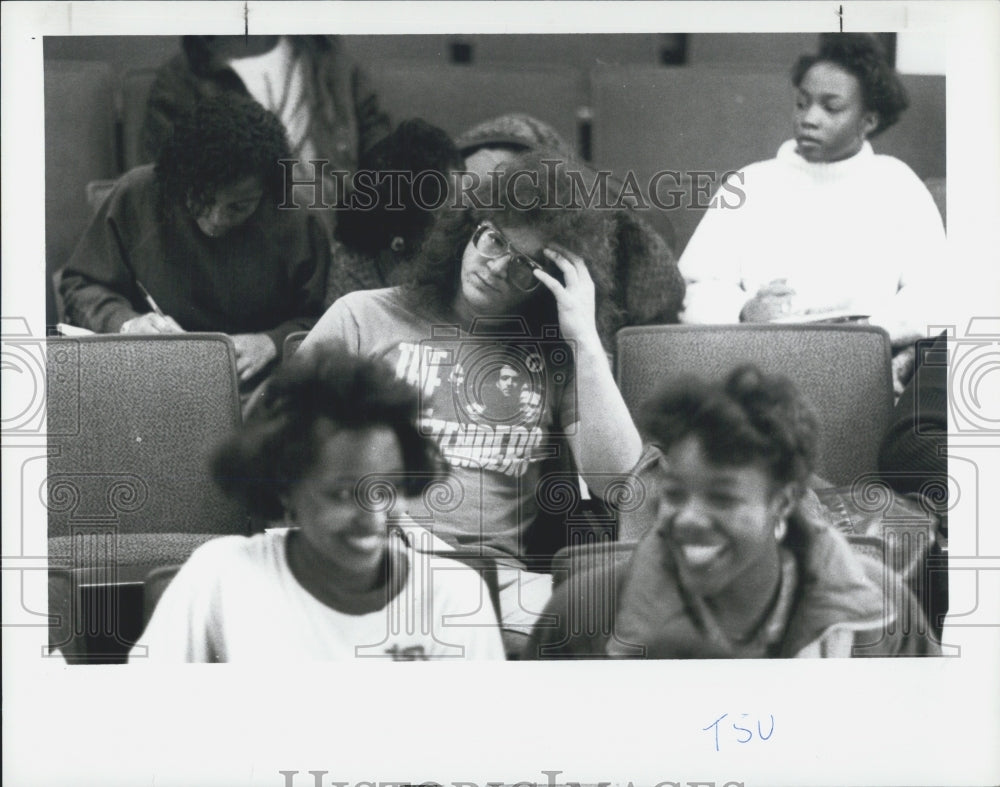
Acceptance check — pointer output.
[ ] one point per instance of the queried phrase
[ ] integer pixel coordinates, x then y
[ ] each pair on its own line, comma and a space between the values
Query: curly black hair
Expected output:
222, 140
749, 417
532, 190
415, 147
325, 385
861, 56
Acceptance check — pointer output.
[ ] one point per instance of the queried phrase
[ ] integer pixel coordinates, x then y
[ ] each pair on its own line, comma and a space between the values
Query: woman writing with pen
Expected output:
197, 242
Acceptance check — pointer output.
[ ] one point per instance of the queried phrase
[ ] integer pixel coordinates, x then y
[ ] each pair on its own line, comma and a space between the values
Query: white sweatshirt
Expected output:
861, 235
237, 600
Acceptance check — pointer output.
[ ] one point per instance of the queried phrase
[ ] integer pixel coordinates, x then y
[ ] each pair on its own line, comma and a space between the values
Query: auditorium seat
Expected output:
689, 119
132, 421
136, 84
458, 97
156, 582
79, 147
843, 370
66, 634
919, 136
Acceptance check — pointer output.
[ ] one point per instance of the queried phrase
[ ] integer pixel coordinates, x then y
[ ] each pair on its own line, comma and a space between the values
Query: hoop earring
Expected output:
397, 244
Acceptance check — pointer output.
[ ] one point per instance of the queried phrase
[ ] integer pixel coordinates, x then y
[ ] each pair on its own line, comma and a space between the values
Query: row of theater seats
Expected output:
637, 119
132, 421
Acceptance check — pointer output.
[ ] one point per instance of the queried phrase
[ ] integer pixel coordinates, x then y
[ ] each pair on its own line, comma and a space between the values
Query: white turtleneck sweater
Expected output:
861, 235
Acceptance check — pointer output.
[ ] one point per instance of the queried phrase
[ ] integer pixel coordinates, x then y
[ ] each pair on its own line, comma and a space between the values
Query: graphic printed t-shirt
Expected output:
494, 401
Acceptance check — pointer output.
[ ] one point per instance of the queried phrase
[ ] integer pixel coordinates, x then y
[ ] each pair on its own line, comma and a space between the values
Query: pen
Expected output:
149, 298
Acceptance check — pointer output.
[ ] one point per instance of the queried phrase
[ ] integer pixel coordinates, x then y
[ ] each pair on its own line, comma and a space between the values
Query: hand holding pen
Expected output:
154, 321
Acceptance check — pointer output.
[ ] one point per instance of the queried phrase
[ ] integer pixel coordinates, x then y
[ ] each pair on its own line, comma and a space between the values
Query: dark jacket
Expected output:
833, 616
346, 114
265, 276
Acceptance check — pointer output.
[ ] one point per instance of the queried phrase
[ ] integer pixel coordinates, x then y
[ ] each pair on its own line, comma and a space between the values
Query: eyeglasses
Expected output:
491, 243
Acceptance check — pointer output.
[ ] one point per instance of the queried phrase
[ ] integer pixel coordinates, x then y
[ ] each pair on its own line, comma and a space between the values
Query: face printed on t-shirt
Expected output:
507, 381
483, 403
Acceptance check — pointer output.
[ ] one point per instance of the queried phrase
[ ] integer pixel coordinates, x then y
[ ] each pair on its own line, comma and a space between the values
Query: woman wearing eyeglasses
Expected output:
508, 294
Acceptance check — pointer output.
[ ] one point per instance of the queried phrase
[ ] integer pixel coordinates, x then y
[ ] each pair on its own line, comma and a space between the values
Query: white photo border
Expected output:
873, 722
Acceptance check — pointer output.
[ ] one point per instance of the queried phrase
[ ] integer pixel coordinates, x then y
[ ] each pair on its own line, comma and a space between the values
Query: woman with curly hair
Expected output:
198, 242
649, 288
519, 279
321, 96
726, 557
331, 453
828, 227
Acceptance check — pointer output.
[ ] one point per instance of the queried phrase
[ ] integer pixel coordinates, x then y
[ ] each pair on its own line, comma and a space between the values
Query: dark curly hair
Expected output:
747, 418
414, 147
861, 56
532, 191
222, 140
323, 386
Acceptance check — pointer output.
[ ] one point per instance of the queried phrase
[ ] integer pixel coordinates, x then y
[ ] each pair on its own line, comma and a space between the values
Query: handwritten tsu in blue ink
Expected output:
741, 731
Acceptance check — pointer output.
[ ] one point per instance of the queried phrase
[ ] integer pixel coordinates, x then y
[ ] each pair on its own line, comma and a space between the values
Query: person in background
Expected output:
198, 242
381, 233
827, 228
522, 281
328, 454
322, 98
648, 286
731, 561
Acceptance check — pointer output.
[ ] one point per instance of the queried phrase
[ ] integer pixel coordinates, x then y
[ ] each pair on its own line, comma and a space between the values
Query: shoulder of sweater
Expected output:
778, 163
906, 185
894, 166
134, 193
137, 182
767, 169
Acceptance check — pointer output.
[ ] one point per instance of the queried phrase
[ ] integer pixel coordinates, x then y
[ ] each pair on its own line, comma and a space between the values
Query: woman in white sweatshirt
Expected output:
827, 226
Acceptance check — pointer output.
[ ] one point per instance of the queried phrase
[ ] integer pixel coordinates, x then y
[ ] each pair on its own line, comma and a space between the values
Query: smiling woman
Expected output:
201, 234
330, 454
736, 561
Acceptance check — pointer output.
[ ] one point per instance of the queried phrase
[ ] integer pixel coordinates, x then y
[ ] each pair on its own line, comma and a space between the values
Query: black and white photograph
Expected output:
636, 363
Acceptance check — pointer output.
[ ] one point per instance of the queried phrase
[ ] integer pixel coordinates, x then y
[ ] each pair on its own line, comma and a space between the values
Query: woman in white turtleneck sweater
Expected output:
827, 226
